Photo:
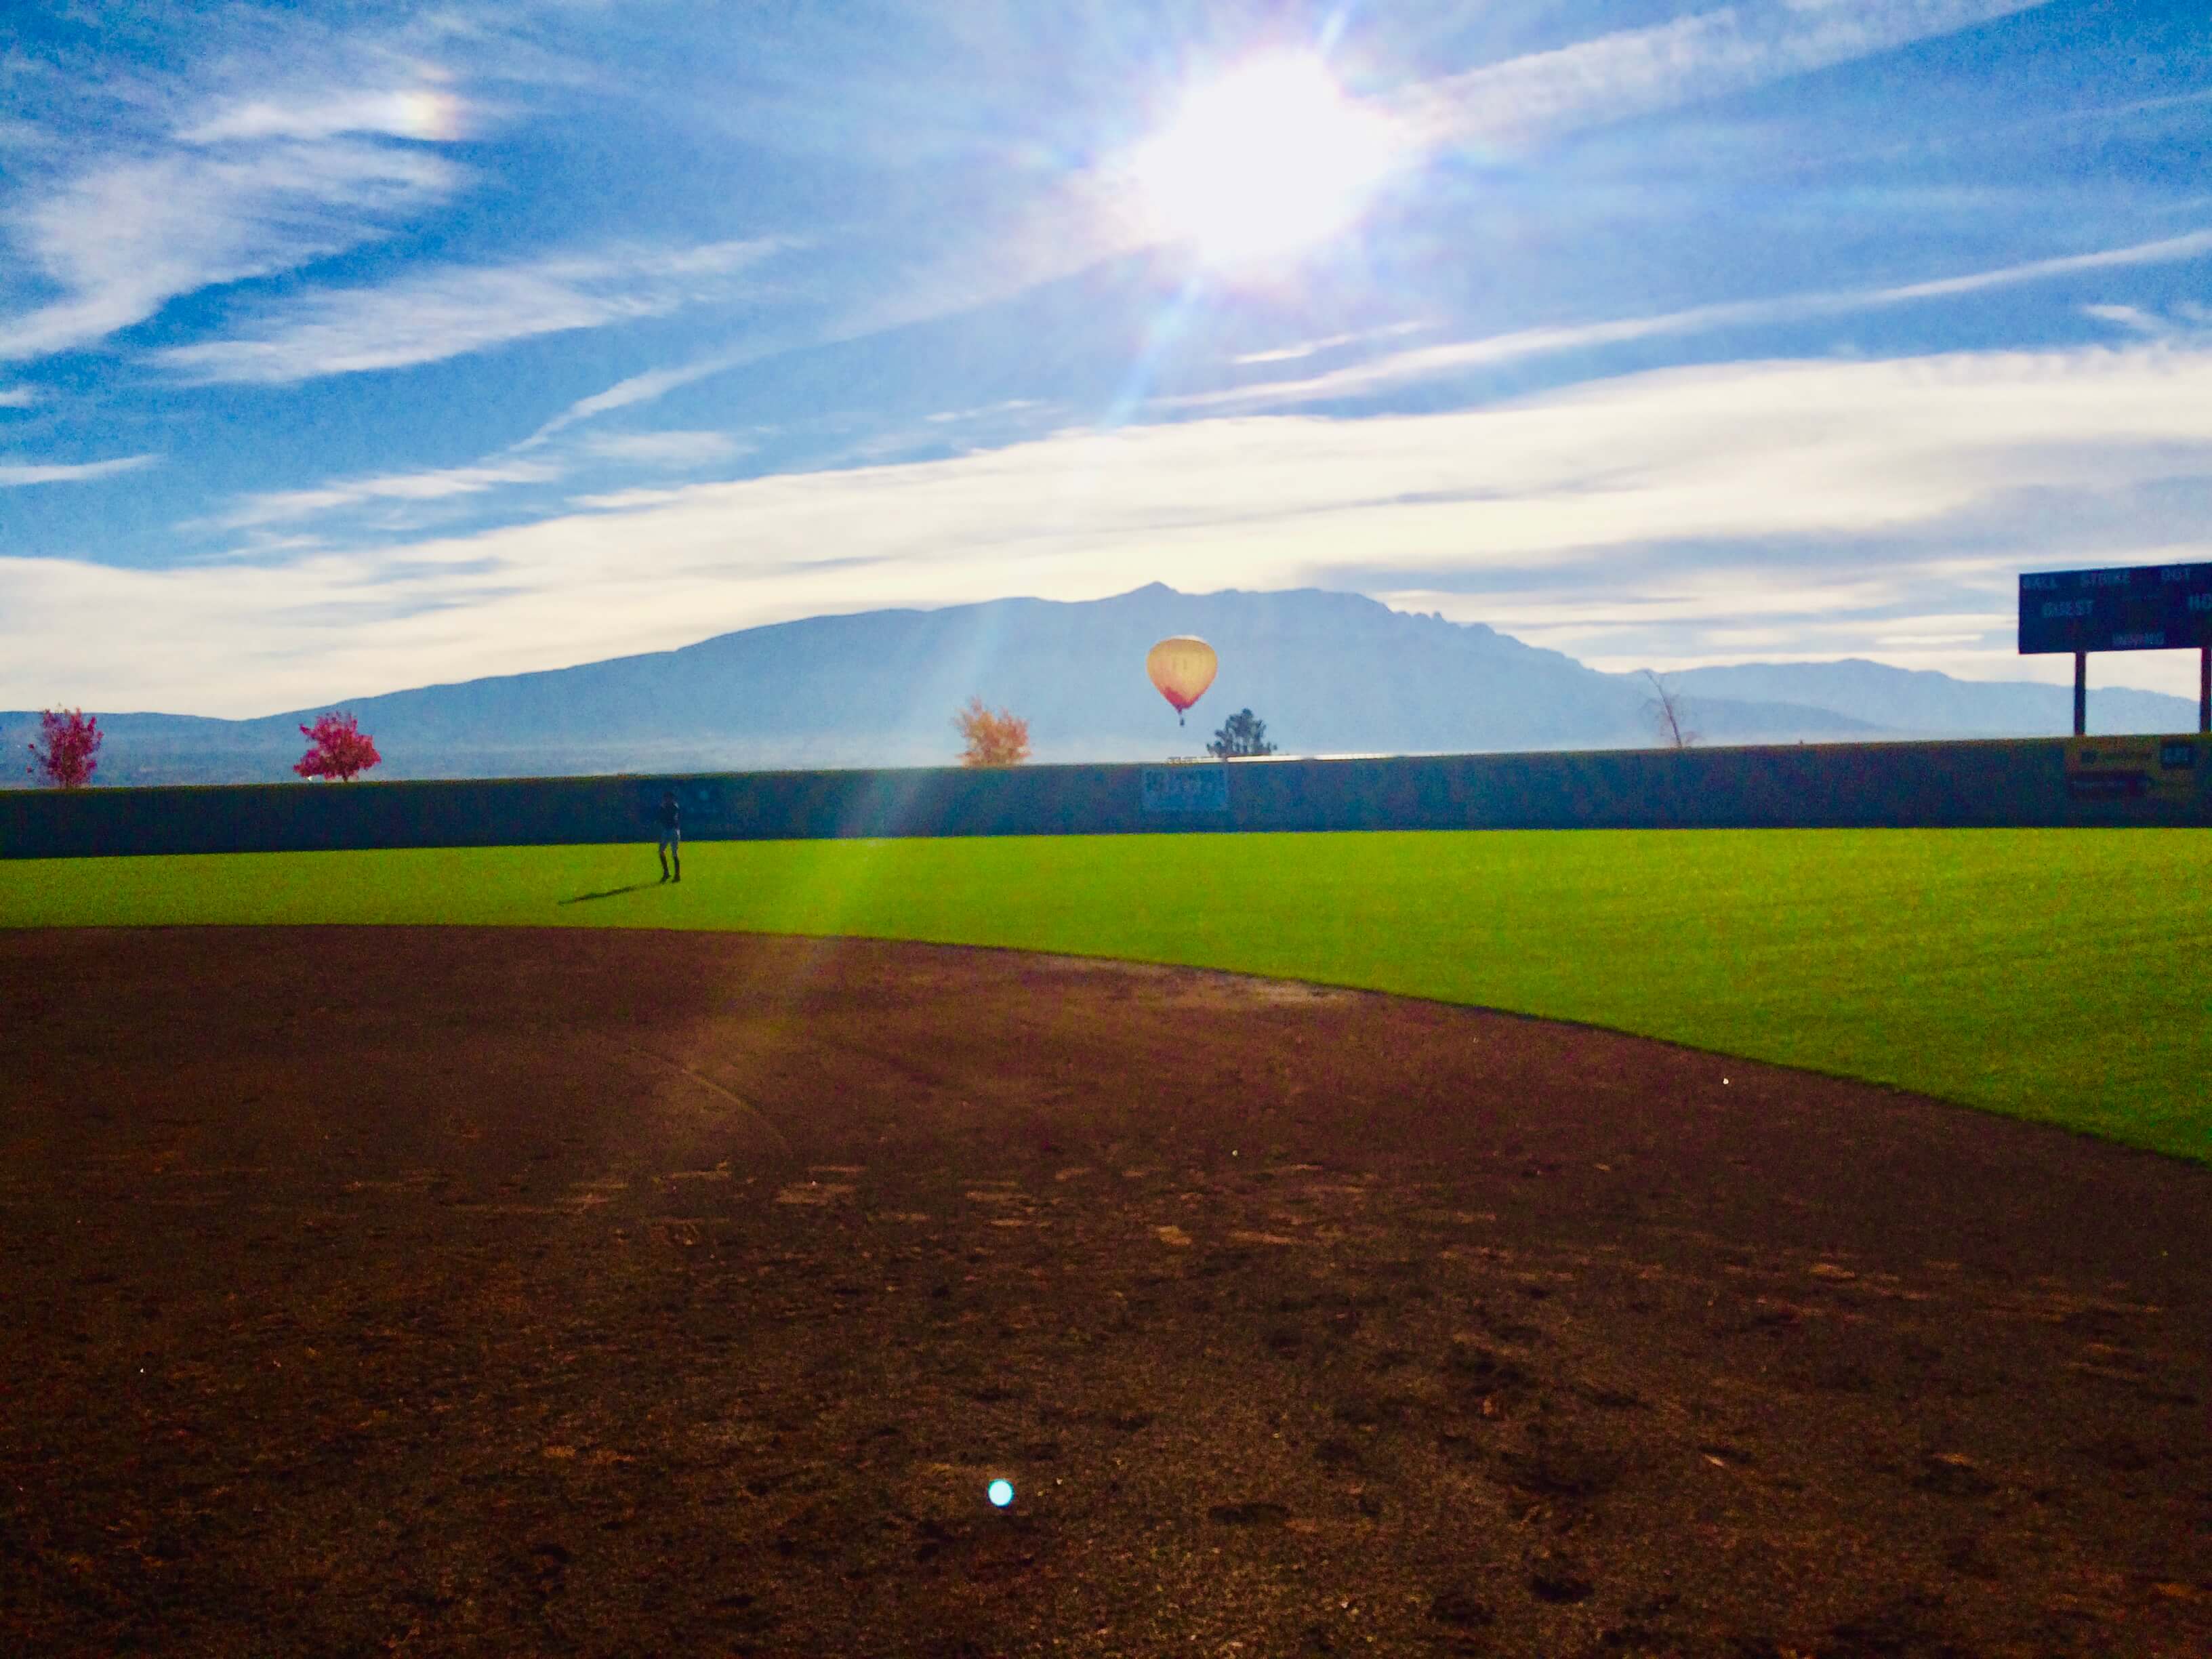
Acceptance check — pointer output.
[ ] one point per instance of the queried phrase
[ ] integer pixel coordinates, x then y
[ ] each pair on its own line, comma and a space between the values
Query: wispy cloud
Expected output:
627, 501
521, 466
1401, 368
17, 397
1890, 489
2167, 250
1302, 349
2186, 318
673, 450
1706, 55
428, 111
982, 411
2133, 319
446, 314
431, 484
120, 240
13, 473
200, 155
644, 388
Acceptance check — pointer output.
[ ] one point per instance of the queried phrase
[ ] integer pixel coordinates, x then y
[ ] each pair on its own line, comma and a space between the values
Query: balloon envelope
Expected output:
1181, 668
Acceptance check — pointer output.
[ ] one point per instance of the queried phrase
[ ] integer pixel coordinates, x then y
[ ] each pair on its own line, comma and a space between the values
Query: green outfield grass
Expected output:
2058, 975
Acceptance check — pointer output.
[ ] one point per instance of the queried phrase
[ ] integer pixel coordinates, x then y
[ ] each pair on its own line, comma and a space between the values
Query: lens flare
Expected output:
1001, 1492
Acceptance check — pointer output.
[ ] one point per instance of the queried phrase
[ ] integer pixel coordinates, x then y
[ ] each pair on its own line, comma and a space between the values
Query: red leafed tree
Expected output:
68, 750
337, 748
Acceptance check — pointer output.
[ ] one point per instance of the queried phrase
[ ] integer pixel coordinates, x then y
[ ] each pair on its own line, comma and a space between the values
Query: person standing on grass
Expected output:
671, 836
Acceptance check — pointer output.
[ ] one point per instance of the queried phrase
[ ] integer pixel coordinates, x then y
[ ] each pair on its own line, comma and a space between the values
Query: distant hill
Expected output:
1921, 703
1330, 673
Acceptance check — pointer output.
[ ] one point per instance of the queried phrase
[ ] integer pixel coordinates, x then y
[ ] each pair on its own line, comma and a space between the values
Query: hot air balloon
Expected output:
1182, 667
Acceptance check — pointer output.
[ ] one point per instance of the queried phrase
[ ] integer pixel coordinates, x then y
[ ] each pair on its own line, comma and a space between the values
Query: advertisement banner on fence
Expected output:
1185, 789
2136, 768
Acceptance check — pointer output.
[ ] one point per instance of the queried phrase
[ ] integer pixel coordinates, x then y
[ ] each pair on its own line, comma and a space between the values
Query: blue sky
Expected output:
355, 347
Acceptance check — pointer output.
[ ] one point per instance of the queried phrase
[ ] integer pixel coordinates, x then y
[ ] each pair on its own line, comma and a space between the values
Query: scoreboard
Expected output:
2149, 607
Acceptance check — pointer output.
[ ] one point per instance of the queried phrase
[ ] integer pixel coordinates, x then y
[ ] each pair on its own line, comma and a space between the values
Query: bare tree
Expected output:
1667, 709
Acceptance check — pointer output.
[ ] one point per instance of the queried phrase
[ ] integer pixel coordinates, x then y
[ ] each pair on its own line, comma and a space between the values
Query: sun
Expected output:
1262, 165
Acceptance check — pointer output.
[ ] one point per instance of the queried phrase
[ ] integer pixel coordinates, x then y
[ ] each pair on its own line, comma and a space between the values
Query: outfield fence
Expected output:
2018, 783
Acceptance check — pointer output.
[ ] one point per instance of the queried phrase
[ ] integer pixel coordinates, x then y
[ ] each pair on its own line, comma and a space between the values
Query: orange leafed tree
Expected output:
991, 739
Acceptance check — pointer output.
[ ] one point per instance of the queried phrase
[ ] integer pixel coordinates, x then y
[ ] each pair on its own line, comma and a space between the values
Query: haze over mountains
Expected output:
1330, 673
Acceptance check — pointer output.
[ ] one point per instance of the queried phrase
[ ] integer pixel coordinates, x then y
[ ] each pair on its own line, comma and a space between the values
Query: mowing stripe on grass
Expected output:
2060, 974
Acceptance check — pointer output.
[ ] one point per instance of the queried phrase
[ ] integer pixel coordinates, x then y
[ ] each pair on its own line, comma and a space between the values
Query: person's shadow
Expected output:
612, 892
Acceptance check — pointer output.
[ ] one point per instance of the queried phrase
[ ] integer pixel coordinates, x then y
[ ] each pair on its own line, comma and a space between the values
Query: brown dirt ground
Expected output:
454, 1291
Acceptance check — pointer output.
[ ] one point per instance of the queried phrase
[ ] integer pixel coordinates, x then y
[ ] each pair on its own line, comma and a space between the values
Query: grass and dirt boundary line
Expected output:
2063, 977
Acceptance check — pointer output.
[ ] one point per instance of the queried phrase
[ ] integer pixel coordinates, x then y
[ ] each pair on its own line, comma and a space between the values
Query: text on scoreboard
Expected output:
2148, 607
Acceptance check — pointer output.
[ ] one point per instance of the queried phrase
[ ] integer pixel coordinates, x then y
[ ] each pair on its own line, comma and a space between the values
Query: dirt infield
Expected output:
447, 1291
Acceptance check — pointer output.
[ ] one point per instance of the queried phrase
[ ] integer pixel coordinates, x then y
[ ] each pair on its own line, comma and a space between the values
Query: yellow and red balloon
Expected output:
1181, 668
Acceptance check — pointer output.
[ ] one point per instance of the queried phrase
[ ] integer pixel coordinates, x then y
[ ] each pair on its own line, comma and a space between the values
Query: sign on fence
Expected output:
1186, 788
2131, 768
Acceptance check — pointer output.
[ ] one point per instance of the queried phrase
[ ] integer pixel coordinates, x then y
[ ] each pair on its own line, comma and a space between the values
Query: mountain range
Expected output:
1330, 673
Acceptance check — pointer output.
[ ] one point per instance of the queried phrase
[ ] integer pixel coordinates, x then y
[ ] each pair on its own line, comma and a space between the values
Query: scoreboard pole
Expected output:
2150, 607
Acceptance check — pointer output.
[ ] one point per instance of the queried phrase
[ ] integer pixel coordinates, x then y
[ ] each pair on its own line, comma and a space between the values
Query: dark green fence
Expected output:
2012, 783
